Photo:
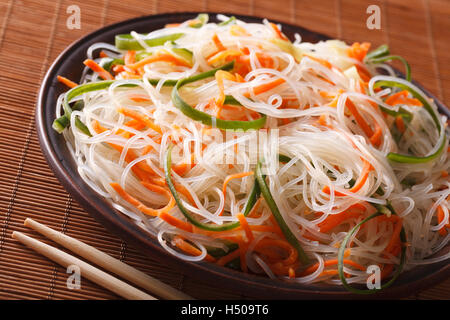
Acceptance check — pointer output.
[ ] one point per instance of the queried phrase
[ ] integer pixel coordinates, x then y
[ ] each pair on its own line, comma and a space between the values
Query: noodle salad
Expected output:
231, 144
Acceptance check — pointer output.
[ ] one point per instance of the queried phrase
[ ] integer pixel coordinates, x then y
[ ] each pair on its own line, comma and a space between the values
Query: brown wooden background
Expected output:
33, 33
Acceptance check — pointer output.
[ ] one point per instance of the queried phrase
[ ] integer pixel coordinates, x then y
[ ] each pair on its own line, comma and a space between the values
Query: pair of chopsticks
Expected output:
101, 259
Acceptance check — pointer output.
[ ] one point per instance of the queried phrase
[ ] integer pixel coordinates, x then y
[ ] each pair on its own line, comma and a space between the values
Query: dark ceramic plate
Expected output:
69, 64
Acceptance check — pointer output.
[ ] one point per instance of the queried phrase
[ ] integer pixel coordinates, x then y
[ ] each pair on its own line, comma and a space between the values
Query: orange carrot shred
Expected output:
231, 177
229, 257
98, 69
319, 60
277, 31
67, 82
331, 262
129, 57
358, 184
266, 86
333, 220
189, 248
218, 43
358, 51
440, 216
139, 205
245, 226
291, 273
400, 124
159, 57
359, 119
375, 139
140, 117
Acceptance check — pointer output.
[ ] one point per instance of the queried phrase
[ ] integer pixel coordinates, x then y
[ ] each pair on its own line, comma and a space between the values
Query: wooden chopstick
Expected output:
98, 276
109, 263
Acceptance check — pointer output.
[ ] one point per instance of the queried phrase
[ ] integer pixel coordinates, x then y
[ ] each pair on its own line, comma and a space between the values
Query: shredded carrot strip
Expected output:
98, 69
103, 54
400, 124
181, 168
140, 98
238, 77
133, 124
189, 248
319, 60
402, 98
158, 189
291, 273
218, 43
139, 205
161, 213
229, 257
333, 220
140, 117
358, 51
328, 273
245, 226
67, 82
265, 60
129, 57
265, 228
277, 31
332, 262
165, 57
179, 187
336, 98
326, 95
118, 68
440, 216
172, 25
263, 245
231, 177
220, 77
358, 184
359, 119
222, 55
98, 128
323, 120
362, 180
266, 86
285, 121
363, 73
375, 139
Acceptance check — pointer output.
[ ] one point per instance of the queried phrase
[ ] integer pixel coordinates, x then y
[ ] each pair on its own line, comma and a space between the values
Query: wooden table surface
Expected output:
34, 32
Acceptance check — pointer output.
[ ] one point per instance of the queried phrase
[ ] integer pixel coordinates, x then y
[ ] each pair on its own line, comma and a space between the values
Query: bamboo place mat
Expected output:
33, 33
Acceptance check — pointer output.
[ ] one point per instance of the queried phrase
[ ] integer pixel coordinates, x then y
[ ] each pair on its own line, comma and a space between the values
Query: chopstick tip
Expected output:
28, 221
15, 234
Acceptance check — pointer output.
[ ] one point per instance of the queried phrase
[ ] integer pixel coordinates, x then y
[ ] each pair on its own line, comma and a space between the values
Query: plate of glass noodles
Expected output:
257, 155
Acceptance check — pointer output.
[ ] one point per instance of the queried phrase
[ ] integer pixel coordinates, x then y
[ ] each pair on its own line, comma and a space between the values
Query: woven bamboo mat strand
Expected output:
33, 33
